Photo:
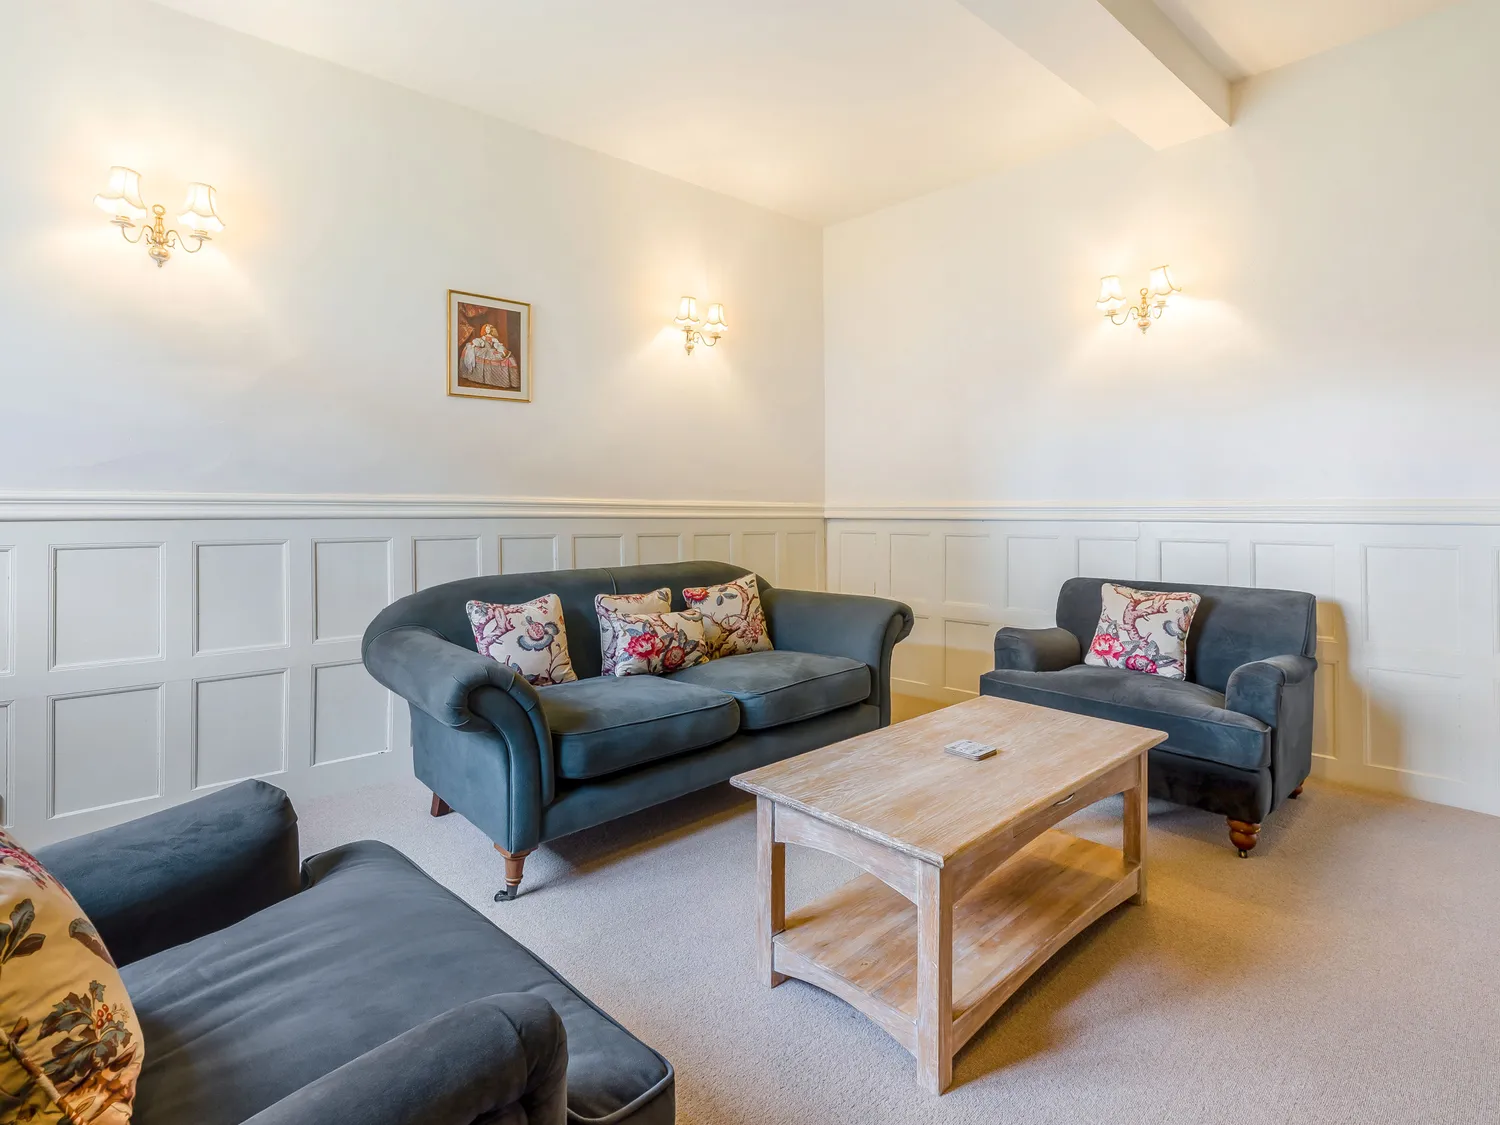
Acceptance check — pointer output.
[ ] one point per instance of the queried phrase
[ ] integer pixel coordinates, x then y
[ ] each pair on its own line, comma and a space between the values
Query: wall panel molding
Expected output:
1481, 512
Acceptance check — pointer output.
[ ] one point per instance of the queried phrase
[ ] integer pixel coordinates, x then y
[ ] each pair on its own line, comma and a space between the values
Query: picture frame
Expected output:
489, 347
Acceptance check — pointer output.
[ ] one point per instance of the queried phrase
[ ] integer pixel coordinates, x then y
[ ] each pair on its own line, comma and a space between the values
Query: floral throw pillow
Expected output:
72, 1047
732, 619
648, 644
1143, 630
609, 607
530, 637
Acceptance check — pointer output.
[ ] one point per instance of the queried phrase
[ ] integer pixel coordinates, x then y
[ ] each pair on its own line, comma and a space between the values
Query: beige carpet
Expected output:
1346, 972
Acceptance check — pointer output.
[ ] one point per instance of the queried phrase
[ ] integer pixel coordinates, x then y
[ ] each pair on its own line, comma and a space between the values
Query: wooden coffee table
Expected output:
969, 887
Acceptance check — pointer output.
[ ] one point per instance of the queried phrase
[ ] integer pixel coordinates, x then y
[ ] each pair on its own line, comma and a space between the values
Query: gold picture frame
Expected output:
489, 347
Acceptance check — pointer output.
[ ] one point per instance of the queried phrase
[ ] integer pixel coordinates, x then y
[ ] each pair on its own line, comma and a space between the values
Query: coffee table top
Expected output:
897, 787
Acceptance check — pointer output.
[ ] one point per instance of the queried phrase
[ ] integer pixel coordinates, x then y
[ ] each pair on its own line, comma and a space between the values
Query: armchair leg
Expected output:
440, 807
1295, 793
1243, 835
515, 864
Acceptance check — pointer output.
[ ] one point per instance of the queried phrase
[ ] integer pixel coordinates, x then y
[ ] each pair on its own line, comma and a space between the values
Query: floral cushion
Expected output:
1143, 630
653, 643
531, 637
609, 607
732, 618
72, 1047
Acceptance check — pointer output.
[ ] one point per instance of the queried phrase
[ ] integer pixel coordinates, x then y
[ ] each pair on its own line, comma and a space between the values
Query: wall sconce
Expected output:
709, 332
122, 200
1112, 301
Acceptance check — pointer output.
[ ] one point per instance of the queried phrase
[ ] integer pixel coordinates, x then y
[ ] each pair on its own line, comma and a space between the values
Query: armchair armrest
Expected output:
455, 1069
1036, 650
1255, 688
173, 876
851, 625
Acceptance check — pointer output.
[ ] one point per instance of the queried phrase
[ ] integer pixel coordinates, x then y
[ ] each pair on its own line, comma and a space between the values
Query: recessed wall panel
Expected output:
914, 566
658, 548
1197, 563
713, 547
1034, 572
919, 658
799, 561
440, 559
969, 652
351, 714
1416, 723
6, 714
241, 597
106, 749
1411, 598
526, 554
1295, 566
106, 606
597, 551
1107, 558
351, 584
967, 569
1325, 717
758, 553
7, 601
239, 728
857, 562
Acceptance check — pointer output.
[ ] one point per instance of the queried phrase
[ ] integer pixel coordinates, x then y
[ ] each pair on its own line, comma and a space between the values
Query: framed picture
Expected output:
489, 347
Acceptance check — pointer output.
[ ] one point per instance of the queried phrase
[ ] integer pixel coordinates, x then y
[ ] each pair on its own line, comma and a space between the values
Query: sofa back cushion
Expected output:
440, 609
1232, 626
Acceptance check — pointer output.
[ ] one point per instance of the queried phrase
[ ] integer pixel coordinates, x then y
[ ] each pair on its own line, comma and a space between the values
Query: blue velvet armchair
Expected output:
1239, 727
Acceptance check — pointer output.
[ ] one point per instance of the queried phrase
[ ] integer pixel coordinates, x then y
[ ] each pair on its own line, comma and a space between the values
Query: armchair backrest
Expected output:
441, 608
1234, 624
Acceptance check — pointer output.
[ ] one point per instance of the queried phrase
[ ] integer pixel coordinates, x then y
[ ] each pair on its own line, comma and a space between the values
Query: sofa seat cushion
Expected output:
607, 724
780, 686
1193, 716
242, 1017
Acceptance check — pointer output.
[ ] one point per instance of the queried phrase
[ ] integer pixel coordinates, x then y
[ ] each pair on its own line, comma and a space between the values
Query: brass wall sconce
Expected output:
1112, 302
122, 201
707, 332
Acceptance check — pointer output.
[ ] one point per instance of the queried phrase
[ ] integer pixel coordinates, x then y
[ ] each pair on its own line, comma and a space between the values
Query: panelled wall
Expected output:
1409, 644
144, 661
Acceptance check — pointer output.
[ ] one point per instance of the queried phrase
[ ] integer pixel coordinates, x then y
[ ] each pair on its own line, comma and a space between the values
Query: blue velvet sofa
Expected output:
527, 764
349, 988
1239, 727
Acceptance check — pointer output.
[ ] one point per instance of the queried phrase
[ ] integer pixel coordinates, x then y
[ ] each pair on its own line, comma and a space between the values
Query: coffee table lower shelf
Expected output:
860, 943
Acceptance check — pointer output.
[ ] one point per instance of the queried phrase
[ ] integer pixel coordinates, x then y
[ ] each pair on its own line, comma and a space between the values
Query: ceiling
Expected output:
821, 109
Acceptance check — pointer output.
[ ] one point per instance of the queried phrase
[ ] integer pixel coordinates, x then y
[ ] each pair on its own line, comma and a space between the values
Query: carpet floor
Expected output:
1346, 972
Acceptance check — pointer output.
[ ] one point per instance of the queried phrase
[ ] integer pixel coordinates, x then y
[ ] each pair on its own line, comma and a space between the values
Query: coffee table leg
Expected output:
770, 888
934, 979
1135, 828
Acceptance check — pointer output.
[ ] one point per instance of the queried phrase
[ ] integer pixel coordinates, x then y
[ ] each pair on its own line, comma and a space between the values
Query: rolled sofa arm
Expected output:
1255, 688
1036, 650
173, 876
852, 625
455, 1069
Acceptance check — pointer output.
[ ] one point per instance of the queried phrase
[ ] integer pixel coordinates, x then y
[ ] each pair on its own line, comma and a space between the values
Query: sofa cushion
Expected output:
611, 723
781, 686
1193, 716
242, 1017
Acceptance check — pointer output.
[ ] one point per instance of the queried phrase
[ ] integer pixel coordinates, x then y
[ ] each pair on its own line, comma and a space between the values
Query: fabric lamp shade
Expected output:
122, 198
687, 311
198, 213
715, 325
1111, 297
1161, 284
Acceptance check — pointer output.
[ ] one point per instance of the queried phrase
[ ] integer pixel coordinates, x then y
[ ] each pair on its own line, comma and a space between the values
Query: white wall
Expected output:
1338, 249
304, 350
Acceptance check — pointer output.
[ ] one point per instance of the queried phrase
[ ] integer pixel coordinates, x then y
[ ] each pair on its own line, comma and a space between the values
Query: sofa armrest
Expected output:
1036, 650
458, 1068
851, 625
173, 876
1255, 688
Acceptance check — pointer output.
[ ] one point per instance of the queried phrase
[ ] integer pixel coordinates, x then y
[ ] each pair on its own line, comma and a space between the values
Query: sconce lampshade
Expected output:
687, 312
1161, 283
198, 213
1111, 296
715, 325
122, 198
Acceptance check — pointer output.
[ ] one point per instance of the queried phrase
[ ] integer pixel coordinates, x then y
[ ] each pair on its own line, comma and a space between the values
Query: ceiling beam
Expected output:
1125, 56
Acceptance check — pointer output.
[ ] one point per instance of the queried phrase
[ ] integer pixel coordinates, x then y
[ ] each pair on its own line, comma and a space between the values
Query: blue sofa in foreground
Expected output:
527, 764
1239, 728
350, 988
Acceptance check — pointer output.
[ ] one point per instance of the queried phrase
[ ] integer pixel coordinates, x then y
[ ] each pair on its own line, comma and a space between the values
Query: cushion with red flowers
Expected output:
1143, 631
530, 637
609, 607
648, 644
732, 618
72, 1047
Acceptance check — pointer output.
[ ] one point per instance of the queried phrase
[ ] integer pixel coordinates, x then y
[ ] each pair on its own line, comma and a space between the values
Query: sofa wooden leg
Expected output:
1243, 835
515, 864
440, 807
1295, 793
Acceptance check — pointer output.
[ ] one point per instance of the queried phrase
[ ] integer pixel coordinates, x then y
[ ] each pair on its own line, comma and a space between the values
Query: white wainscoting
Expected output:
145, 659
1408, 648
